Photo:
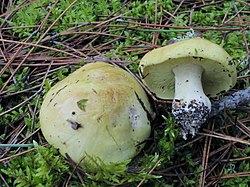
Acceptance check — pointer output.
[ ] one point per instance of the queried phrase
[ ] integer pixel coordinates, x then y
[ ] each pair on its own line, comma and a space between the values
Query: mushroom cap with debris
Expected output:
219, 69
101, 110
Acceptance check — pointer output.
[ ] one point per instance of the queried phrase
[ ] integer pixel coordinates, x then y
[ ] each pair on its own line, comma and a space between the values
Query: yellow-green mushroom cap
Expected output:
219, 70
100, 110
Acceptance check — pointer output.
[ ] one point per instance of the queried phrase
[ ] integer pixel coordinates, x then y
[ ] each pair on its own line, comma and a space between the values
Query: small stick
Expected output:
16, 145
231, 102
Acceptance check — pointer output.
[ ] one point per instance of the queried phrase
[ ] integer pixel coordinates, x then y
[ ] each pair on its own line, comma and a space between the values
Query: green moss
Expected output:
41, 167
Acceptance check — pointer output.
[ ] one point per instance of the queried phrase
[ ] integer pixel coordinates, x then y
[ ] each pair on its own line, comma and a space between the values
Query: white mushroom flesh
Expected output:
191, 106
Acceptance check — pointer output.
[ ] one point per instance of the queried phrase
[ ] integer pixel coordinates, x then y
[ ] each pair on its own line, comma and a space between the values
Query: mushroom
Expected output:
99, 110
188, 72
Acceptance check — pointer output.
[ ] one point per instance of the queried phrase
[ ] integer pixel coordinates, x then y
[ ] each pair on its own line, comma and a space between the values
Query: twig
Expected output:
225, 137
18, 154
175, 11
205, 28
231, 175
156, 164
40, 46
5, 183
241, 97
206, 151
16, 145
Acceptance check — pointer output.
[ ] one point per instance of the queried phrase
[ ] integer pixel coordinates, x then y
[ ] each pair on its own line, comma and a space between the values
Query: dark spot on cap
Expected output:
74, 125
230, 62
56, 94
229, 75
172, 41
144, 76
139, 69
187, 80
77, 81
55, 104
99, 118
138, 148
198, 58
73, 113
223, 91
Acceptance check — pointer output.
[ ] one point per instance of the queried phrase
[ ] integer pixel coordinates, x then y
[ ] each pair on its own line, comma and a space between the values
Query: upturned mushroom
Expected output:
188, 72
99, 110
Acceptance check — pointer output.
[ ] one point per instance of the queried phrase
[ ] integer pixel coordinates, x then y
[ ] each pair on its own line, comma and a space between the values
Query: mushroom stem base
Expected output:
191, 117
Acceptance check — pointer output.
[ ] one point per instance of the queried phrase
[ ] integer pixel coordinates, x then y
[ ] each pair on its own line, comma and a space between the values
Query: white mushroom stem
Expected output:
191, 107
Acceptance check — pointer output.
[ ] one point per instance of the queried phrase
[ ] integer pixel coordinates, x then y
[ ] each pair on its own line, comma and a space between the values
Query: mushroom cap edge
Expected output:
156, 66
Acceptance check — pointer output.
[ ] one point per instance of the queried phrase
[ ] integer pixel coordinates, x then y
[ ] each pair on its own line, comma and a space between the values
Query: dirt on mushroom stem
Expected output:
191, 107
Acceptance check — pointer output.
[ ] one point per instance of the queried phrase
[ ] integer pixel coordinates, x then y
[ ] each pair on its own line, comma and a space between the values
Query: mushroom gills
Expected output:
190, 107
